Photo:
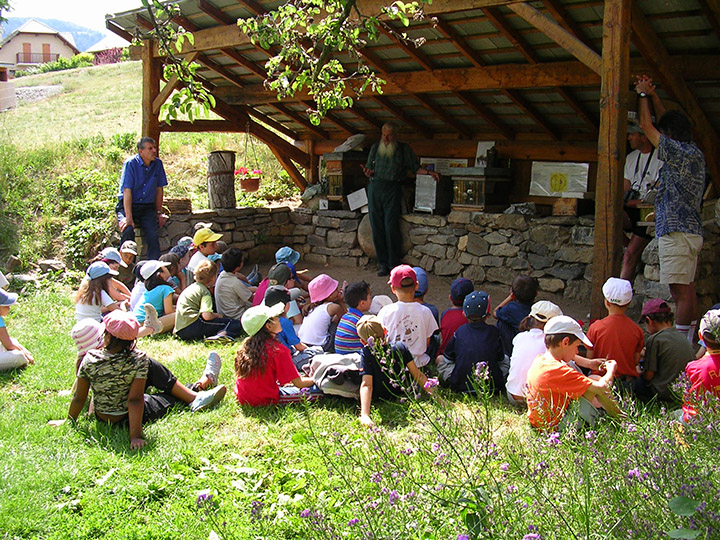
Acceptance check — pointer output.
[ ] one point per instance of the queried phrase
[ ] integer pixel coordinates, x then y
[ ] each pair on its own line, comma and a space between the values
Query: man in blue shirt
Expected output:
140, 198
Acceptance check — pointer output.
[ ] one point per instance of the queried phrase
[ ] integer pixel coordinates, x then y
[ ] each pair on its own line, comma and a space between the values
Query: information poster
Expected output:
553, 179
442, 165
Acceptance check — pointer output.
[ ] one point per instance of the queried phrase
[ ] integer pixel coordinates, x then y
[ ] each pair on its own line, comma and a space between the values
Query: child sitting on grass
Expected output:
12, 354
453, 318
358, 300
704, 374
318, 328
114, 259
233, 294
422, 289
617, 336
128, 253
473, 343
385, 367
195, 316
667, 352
406, 320
158, 294
263, 366
119, 374
553, 384
511, 311
290, 257
205, 241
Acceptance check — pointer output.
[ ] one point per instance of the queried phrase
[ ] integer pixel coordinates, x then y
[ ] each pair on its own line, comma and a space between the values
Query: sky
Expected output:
88, 13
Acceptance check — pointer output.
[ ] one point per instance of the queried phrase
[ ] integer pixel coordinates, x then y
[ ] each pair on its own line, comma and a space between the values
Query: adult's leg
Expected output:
12, 360
376, 209
145, 216
393, 209
685, 301
128, 233
632, 255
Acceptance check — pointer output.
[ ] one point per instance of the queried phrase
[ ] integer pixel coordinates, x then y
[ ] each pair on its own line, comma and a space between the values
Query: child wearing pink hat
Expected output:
119, 374
318, 327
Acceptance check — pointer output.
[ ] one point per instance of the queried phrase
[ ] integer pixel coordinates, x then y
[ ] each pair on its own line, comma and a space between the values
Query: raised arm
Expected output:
645, 89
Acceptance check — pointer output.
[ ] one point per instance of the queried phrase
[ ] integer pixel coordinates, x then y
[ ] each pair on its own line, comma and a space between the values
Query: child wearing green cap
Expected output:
263, 366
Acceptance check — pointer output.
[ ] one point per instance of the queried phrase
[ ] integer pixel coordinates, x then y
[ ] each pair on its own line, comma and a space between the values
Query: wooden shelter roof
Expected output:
484, 73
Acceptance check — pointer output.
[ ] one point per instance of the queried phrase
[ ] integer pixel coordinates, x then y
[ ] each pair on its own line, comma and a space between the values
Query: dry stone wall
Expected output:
493, 248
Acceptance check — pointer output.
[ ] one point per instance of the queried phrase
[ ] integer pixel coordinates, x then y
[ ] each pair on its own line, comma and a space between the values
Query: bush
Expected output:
77, 61
109, 56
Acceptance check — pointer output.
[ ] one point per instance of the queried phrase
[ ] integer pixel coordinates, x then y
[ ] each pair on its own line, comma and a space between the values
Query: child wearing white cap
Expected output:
552, 384
617, 336
12, 354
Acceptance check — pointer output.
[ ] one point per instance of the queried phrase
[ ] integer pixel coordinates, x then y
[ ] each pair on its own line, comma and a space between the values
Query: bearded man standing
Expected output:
388, 163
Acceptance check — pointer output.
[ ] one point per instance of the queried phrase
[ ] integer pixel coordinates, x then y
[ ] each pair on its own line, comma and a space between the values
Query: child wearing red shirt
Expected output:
704, 374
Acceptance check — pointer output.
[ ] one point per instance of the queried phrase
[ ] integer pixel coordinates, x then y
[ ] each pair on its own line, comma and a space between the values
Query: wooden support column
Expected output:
607, 252
313, 172
151, 70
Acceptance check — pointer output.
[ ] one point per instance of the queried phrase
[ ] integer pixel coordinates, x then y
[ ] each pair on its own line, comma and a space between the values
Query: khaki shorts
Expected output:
678, 252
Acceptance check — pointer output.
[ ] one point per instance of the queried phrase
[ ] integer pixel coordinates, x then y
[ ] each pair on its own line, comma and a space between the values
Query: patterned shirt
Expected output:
110, 377
392, 168
681, 186
346, 337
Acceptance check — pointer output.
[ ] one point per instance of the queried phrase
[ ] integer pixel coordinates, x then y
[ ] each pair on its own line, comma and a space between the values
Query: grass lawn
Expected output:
439, 468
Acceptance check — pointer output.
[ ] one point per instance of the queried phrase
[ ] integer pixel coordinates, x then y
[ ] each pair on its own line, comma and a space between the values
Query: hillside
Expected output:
84, 37
60, 161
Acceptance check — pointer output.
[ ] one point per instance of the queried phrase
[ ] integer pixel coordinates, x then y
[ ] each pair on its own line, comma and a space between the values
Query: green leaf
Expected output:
683, 533
683, 506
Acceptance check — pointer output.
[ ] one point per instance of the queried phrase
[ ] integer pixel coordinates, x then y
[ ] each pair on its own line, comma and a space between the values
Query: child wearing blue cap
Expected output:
12, 354
291, 257
473, 343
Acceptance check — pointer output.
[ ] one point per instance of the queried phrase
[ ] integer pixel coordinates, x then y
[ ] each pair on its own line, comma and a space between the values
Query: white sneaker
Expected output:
212, 367
208, 398
151, 319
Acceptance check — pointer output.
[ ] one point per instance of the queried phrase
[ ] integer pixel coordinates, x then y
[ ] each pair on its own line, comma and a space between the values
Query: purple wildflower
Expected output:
463, 537
305, 513
354, 521
532, 536
376, 477
204, 498
504, 466
430, 383
393, 497
554, 438
634, 473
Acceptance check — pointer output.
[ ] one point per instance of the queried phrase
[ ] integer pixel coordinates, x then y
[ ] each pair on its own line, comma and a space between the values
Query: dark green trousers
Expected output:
385, 208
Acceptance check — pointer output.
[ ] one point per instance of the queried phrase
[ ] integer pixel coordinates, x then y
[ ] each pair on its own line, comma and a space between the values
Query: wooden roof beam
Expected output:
711, 10
118, 30
215, 13
397, 112
201, 126
364, 115
265, 119
566, 21
170, 86
300, 119
511, 34
559, 35
244, 62
295, 175
571, 100
252, 6
654, 52
440, 112
414, 53
486, 114
459, 42
529, 110
220, 70
330, 117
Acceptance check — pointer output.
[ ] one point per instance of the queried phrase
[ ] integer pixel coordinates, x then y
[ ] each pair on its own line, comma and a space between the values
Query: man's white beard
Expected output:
387, 150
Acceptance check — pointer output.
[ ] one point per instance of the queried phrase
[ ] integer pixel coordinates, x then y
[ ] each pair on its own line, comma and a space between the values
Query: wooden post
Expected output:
221, 179
151, 69
313, 173
607, 252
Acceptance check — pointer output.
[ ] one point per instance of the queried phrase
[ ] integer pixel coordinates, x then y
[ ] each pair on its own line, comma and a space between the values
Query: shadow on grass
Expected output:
10, 377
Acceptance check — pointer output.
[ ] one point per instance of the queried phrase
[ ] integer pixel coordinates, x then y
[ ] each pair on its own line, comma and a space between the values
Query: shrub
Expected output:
62, 63
109, 56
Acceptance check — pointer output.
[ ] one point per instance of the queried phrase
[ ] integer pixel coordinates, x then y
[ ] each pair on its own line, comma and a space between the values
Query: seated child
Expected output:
113, 258
357, 297
183, 254
195, 317
205, 241
511, 311
93, 300
263, 366
12, 354
667, 352
473, 343
527, 345
453, 318
128, 253
139, 289
704, 374
279, 274
291, 257
553, 384
175, 275
318, 327
617, 336
381, 378
233, 295
422, 290
119, 374
158, 295
406, 320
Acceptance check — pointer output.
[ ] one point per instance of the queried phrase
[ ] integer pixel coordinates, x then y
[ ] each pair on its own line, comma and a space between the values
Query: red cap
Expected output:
122, 325
399, 273
655, 306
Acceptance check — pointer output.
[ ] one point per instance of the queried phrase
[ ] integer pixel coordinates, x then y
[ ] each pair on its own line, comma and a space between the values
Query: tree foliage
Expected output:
4, 6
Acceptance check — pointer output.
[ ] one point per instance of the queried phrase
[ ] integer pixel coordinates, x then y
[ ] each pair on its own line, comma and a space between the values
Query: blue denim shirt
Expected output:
142, 180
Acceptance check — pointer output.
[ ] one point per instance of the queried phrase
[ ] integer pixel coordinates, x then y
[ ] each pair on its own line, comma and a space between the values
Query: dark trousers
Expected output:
201, 329
384, 205
145, 217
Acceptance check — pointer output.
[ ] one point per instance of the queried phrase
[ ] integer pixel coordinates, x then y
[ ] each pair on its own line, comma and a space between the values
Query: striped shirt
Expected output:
346, 337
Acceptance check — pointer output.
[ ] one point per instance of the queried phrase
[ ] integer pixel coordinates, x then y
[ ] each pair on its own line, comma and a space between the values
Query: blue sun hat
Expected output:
7, 298
287, 255
422, 281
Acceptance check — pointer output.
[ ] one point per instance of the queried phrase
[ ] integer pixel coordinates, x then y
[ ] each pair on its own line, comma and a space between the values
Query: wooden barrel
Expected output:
221, 179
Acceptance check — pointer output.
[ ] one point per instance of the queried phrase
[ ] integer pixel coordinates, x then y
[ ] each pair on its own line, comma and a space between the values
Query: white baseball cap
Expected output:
618, 291
544, 310
563, 324
150, 267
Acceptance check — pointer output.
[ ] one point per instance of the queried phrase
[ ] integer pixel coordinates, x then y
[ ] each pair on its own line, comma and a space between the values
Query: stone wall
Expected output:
492, 248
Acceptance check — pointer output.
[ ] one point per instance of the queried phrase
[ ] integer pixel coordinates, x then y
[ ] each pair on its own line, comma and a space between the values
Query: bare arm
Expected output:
302, 382
508, 298
6, 341
168, 307
136, 405
209, 315
336, 311
127, 206
82, 387
589, 363
366, 390
418, 376
645, 85
159, 197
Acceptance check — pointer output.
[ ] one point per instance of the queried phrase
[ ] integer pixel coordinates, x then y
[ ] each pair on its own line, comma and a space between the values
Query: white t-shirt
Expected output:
526, 347
93, 311
137, 294
314, 329
641, 174
411, 323
232, 296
